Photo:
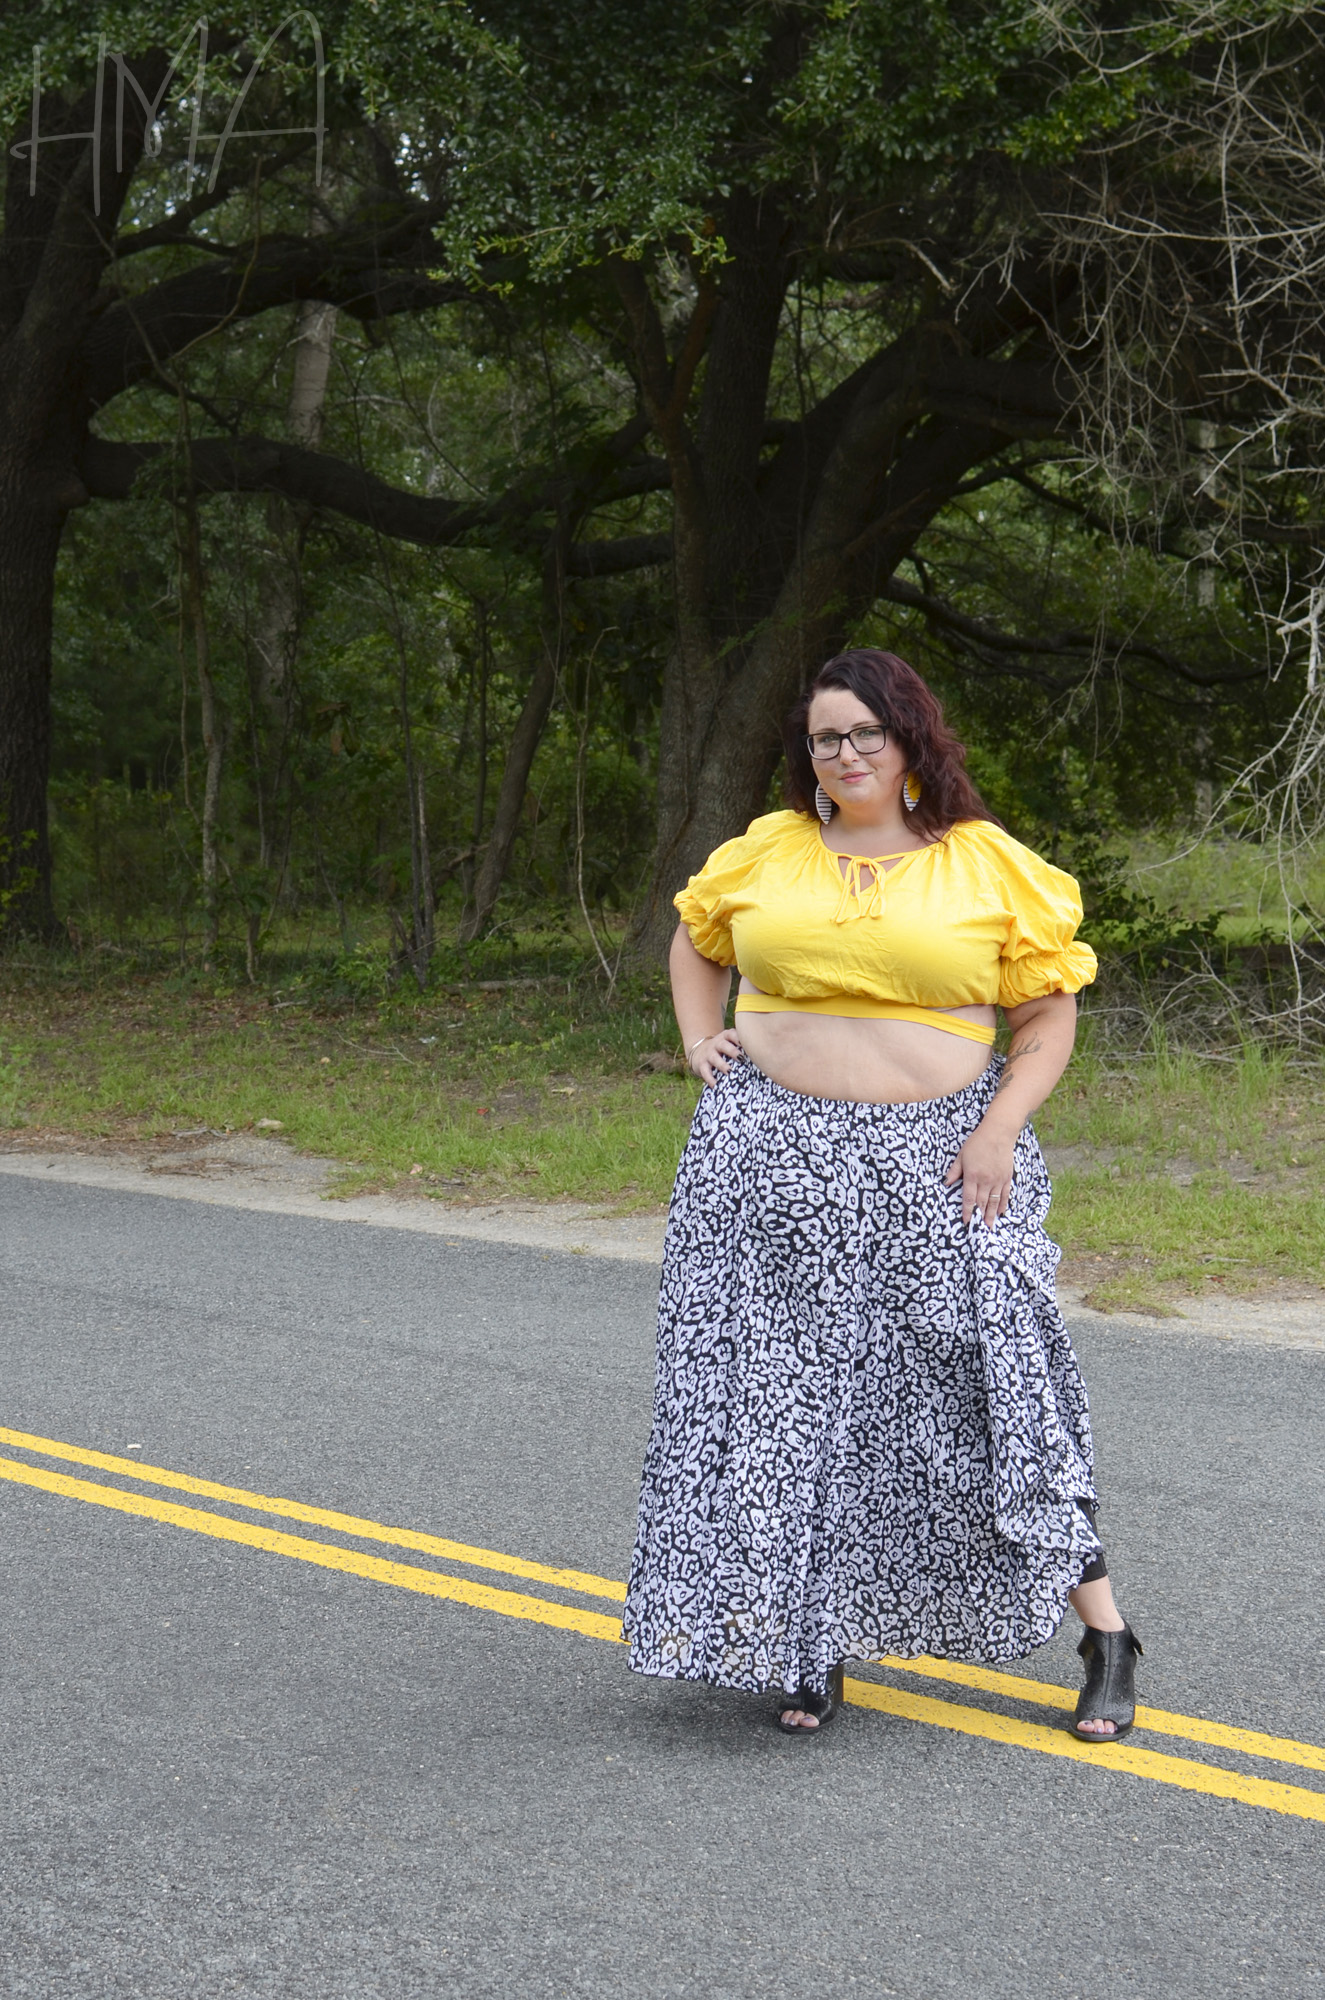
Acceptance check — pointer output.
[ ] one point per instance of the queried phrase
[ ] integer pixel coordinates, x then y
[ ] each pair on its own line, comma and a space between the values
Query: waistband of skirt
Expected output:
747, 1074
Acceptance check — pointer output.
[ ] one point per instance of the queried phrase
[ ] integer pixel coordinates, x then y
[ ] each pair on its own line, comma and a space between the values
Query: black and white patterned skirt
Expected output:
869, 1429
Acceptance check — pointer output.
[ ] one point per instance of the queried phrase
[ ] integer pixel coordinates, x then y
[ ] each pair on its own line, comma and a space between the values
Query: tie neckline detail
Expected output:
854, 899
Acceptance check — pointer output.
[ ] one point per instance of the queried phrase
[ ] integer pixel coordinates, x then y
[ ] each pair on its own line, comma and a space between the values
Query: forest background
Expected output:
436, 444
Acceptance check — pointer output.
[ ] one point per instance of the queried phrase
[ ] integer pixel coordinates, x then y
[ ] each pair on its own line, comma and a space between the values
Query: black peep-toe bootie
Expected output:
812, 1702
1110, 1691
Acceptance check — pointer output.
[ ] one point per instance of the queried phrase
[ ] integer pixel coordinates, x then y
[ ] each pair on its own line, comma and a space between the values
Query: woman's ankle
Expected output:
1094, 1606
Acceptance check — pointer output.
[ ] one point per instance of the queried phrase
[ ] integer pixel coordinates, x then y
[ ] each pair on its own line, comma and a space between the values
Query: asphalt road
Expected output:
230, 1772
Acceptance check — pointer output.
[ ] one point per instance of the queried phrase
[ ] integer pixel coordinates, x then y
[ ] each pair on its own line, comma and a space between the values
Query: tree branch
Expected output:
686, 365
367, 269
615, 558
1013, 397
648, 342
1151, 534
266, 465
979, 636
178, 224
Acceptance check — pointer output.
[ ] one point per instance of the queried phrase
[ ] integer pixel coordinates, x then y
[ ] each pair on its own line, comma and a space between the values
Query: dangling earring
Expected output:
910, 791
823, 805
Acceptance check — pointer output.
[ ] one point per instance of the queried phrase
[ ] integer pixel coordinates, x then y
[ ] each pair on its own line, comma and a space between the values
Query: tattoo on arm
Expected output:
1027, 1048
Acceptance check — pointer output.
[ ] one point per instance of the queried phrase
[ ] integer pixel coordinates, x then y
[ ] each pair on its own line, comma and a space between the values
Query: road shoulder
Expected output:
244, 1170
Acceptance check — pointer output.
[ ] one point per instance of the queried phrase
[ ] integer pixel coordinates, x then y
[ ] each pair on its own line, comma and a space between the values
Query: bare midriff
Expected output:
863, 1061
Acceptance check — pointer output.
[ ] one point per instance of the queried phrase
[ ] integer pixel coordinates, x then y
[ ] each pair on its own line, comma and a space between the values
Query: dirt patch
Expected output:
200, 1152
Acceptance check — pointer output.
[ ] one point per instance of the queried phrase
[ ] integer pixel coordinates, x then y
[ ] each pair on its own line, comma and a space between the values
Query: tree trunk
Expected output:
30, 538
277, 638
53, 254
415, 945
213, 728
315, 330
774, 560
525, 739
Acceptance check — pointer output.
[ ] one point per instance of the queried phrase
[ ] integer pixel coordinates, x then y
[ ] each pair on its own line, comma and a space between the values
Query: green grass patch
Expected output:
532, 1090
1157, 1238
1241, 878
1183, 1172
1174, 1172
1256, 1110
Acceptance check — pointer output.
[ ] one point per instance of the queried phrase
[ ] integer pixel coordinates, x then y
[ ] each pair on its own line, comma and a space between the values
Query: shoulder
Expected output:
769, 835
983, 838
983, 841
779, 829
1025, 877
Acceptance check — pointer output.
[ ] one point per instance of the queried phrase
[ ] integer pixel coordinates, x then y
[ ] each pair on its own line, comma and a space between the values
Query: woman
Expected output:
870, 1433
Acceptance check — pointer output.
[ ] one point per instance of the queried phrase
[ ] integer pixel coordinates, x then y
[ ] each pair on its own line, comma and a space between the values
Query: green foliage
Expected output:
20, 879
556, 142
567, 147
72, 38
545, 143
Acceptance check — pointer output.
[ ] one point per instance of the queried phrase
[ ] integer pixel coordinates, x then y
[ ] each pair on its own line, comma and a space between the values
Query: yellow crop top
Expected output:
975, 919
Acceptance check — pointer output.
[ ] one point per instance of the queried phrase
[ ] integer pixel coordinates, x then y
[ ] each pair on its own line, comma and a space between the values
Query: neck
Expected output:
878, 836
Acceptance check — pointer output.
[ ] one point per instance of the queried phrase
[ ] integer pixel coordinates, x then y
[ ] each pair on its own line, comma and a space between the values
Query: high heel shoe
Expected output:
1110, 1691
811, 1701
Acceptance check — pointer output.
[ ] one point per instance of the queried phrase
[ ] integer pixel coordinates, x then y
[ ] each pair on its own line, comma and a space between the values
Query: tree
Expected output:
818, 237
78, 333
834, 285
1199, 228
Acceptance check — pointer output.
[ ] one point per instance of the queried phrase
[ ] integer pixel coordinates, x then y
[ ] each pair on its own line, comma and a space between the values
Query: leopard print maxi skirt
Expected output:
869, 1427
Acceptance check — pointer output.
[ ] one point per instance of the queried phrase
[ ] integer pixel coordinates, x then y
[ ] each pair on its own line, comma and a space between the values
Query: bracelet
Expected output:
700, 1043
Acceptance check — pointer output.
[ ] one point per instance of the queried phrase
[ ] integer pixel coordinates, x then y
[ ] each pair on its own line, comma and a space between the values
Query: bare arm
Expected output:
699, 995
1043, 1032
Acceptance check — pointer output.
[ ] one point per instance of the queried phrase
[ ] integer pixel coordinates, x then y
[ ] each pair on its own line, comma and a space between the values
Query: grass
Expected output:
1218, 872
1174, 1172
1180, 1172
534, 1091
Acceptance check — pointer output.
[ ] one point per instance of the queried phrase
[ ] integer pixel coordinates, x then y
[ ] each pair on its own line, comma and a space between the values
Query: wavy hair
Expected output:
894, 692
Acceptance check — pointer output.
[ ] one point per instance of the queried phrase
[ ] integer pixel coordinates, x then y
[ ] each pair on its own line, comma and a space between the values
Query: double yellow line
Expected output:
993, 1725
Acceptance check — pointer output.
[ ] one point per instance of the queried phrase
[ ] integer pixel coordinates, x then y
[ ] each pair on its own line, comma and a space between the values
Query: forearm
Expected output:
700, 991
1043, 1033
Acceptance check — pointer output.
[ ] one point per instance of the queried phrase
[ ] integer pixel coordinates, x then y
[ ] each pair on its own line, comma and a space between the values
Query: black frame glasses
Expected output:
845, 736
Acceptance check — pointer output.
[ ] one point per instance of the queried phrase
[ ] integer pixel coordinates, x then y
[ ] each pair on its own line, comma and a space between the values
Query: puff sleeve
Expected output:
1042, 953
705, 904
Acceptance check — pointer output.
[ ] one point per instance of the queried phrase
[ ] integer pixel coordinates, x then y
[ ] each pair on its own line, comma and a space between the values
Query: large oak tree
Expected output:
815, 236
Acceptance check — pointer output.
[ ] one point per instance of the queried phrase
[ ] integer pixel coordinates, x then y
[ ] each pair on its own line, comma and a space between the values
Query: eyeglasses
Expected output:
866, 741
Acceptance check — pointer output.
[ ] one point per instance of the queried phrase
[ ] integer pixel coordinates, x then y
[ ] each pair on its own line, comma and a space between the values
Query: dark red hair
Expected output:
895, 693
